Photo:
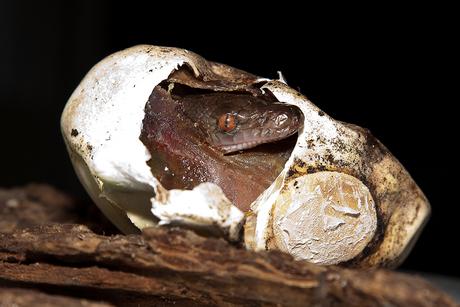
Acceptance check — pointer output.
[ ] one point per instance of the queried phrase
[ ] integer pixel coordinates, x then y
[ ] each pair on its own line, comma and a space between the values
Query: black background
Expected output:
377, 67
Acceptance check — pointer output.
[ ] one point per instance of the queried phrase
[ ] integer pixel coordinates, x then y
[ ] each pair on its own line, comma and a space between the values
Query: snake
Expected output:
235, 122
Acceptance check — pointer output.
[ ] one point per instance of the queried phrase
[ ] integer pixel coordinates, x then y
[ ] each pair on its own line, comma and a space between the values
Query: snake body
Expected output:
236, 122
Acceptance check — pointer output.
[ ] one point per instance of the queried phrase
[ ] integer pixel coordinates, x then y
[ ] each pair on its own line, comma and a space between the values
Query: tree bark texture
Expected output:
168, 266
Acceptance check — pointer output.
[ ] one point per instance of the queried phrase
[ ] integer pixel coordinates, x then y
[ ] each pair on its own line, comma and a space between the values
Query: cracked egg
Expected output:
159, 135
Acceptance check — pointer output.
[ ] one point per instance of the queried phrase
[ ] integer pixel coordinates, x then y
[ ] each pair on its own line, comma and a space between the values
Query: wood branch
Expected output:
176, 266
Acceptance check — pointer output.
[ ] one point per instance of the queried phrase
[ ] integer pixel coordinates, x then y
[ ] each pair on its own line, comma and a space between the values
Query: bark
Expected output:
174, 266
25, 298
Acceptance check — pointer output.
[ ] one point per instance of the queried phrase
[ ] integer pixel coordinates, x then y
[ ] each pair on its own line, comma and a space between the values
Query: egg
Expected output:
337, 195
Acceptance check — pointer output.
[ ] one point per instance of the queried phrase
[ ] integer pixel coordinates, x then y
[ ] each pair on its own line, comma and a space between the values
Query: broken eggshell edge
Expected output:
101, 124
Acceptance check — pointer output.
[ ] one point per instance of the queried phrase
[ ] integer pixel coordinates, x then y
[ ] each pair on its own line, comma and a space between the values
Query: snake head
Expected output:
236, 122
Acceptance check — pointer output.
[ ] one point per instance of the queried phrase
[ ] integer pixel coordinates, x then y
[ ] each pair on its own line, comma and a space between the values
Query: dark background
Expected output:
374, 67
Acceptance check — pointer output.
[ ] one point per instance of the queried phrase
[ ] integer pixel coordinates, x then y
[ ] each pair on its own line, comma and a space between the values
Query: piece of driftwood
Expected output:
171, 266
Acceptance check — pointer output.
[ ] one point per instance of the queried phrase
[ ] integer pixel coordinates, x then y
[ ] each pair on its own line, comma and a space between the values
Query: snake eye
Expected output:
226, 122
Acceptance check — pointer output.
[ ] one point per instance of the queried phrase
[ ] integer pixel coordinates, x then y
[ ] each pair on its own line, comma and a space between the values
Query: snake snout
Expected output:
286, 117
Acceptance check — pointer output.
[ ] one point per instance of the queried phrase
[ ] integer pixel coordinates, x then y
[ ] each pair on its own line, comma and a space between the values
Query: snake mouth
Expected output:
226, 149
242, 146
